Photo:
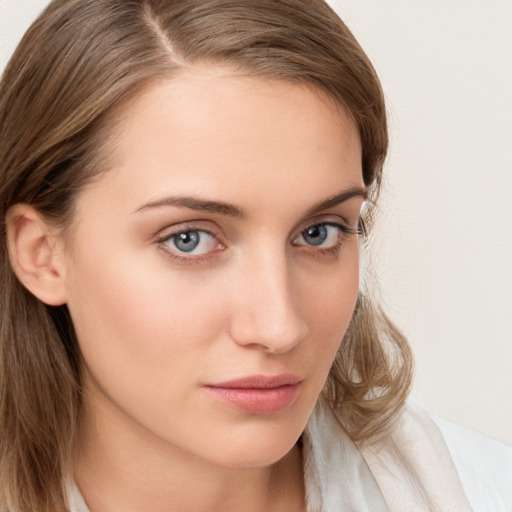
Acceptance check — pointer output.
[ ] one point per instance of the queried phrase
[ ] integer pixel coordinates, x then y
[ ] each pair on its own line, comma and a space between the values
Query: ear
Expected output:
36, 254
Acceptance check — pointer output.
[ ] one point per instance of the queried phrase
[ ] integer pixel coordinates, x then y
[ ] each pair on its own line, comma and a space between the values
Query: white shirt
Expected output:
420, 465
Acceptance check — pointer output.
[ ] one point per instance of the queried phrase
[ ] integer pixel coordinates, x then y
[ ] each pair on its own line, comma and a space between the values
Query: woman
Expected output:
184, 189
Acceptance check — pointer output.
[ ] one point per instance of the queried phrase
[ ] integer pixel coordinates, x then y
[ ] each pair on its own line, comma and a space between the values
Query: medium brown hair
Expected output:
79, 61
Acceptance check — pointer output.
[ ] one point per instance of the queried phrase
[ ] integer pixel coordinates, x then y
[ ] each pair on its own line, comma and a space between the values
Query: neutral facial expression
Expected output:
221, 246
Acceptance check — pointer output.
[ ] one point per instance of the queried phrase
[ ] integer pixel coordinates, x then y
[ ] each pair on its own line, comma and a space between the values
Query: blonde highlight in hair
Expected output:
59, 97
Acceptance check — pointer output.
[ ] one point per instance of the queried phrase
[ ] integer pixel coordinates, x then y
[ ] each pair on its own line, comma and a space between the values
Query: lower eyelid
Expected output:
165, 241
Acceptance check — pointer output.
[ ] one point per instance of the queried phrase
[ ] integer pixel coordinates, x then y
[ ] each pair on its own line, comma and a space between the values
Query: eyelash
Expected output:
161, 242
344, 233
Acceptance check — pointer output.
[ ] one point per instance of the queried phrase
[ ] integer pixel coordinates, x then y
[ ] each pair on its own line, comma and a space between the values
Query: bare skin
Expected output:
191, 484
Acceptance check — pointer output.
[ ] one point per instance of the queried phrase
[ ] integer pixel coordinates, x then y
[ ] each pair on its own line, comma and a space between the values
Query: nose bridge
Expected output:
267, 312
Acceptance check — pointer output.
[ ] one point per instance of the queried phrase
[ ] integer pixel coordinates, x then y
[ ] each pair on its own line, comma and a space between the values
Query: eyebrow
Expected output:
332, 201
230, 210
194, 203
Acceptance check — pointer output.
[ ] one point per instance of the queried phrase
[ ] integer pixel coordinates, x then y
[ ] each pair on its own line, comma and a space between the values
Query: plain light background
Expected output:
443, 244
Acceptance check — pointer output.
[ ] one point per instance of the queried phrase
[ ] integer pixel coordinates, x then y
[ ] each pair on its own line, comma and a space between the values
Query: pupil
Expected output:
187, 242
315, 235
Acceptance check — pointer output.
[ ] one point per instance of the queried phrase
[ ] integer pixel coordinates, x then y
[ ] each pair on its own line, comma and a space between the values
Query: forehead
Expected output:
215, 132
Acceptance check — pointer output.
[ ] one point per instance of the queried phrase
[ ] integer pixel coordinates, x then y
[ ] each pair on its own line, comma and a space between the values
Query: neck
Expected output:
131, 470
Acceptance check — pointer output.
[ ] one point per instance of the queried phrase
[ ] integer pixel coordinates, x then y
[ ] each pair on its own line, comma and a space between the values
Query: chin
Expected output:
256, 458
255, 449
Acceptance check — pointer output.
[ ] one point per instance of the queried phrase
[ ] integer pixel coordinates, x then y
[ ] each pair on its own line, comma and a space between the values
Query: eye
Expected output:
192, 242
325, 235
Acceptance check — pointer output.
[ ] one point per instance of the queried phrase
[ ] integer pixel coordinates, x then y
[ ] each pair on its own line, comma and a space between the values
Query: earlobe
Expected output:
35, 254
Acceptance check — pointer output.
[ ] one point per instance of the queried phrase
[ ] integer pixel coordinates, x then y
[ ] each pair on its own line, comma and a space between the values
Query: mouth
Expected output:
258, 394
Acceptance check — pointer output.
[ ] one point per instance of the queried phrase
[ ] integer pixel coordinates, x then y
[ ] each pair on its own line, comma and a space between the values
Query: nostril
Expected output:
266, 309
275, 333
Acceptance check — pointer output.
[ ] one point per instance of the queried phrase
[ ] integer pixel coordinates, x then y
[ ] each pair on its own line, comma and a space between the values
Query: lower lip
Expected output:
257, 400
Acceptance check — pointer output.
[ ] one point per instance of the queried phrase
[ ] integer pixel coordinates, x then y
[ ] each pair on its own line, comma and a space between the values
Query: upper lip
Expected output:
260, 381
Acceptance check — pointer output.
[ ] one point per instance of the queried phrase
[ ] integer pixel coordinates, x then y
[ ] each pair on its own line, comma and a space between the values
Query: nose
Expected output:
266, 312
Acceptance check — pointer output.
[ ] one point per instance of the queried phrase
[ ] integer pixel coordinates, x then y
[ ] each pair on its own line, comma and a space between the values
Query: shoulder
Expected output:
419, 463
484, 466
440, 466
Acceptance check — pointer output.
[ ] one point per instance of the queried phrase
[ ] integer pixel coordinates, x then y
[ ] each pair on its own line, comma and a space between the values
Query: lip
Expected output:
258, 394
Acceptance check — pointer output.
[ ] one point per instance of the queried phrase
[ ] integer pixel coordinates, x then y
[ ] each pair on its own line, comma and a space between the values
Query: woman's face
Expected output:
220, 246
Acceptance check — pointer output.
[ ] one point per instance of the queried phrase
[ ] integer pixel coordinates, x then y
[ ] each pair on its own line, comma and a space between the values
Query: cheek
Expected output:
139, 306
150, 335
137, 323
327, 304
328, 297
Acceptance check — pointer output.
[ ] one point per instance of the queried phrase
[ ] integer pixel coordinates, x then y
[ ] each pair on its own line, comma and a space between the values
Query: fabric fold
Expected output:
337, 478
